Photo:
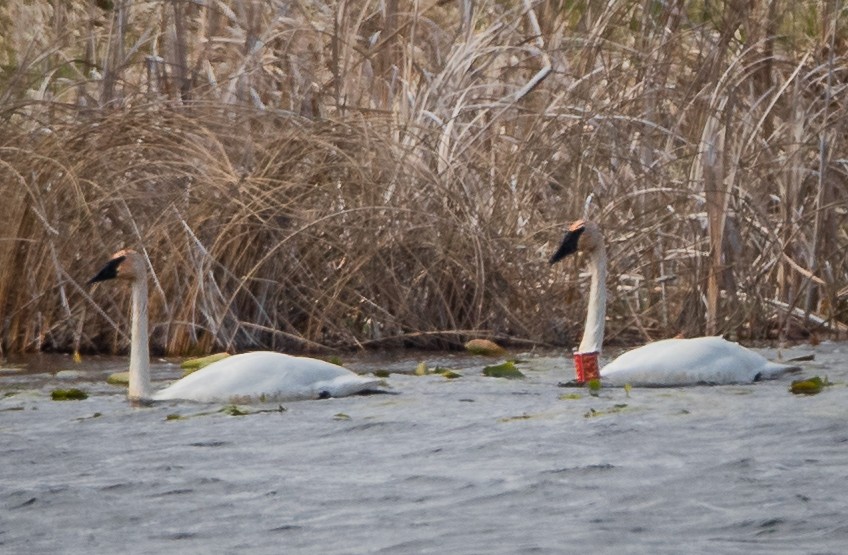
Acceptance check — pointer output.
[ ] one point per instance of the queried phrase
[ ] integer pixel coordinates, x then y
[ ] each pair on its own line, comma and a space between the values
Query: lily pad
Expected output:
72, 394
195, 364
809, 386
484, 347
119, 378
504, 370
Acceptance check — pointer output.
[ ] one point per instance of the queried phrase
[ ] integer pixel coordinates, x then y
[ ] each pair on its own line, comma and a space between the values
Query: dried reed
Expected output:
311, 175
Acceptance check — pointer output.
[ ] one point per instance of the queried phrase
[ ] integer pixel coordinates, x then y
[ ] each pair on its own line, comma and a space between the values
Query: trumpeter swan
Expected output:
670, 362
261, 375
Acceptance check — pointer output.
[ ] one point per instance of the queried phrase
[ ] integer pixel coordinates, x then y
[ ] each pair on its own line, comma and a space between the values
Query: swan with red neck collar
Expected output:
670, 362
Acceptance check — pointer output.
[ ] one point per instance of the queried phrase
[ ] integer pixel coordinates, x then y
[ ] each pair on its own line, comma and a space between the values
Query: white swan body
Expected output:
267, 376
670, 362
701, 360
257, 376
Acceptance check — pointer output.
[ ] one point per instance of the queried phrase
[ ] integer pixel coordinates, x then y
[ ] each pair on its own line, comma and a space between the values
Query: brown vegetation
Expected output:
332, 173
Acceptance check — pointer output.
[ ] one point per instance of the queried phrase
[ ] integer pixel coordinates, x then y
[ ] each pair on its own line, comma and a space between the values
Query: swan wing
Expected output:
702, 360
266, 376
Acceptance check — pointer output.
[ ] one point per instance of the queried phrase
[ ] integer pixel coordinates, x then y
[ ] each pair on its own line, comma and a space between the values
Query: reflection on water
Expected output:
468, 465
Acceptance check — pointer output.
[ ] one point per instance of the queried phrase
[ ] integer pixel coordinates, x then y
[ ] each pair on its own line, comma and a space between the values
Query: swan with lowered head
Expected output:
670, 362
261, 375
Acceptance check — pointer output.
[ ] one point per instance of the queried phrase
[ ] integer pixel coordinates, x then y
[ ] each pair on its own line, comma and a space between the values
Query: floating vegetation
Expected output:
72, 394
570, 396
594, 387
174, 416
524, 416
195, 364
95, 415
809, 386
591, 413
505, 370
235, 410
381, 373
484, 347
341, 416
119, 378
423, 370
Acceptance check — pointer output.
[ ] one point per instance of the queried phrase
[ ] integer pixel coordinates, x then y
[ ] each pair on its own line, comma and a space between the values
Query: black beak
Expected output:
569, 244
109, 271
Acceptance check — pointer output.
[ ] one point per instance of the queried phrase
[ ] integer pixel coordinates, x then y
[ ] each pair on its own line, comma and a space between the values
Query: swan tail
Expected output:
773, 370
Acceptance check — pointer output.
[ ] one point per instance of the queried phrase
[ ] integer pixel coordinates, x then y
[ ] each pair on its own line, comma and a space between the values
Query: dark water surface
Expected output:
470, 465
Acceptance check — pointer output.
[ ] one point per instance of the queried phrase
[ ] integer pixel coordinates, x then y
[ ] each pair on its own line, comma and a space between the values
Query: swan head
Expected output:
582, 236
125, 264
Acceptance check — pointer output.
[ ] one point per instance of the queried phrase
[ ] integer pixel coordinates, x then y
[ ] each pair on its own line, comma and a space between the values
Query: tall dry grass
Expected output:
337, 174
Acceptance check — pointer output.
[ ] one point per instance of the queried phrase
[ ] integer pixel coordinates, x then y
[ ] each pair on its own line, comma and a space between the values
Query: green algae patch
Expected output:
119, 378
570, 396
195, 364
809, 386
72, 394
174, 417
341, 416
484, 347
506, 370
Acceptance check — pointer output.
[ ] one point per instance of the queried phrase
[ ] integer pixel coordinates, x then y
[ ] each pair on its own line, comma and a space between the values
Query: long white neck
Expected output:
139, 350
593, 333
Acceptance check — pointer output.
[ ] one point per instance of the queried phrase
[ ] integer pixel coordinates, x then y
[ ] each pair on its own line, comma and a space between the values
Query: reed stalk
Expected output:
355, 174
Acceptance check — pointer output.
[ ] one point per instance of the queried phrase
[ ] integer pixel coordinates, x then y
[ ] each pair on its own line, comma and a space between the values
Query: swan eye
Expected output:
109, 271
